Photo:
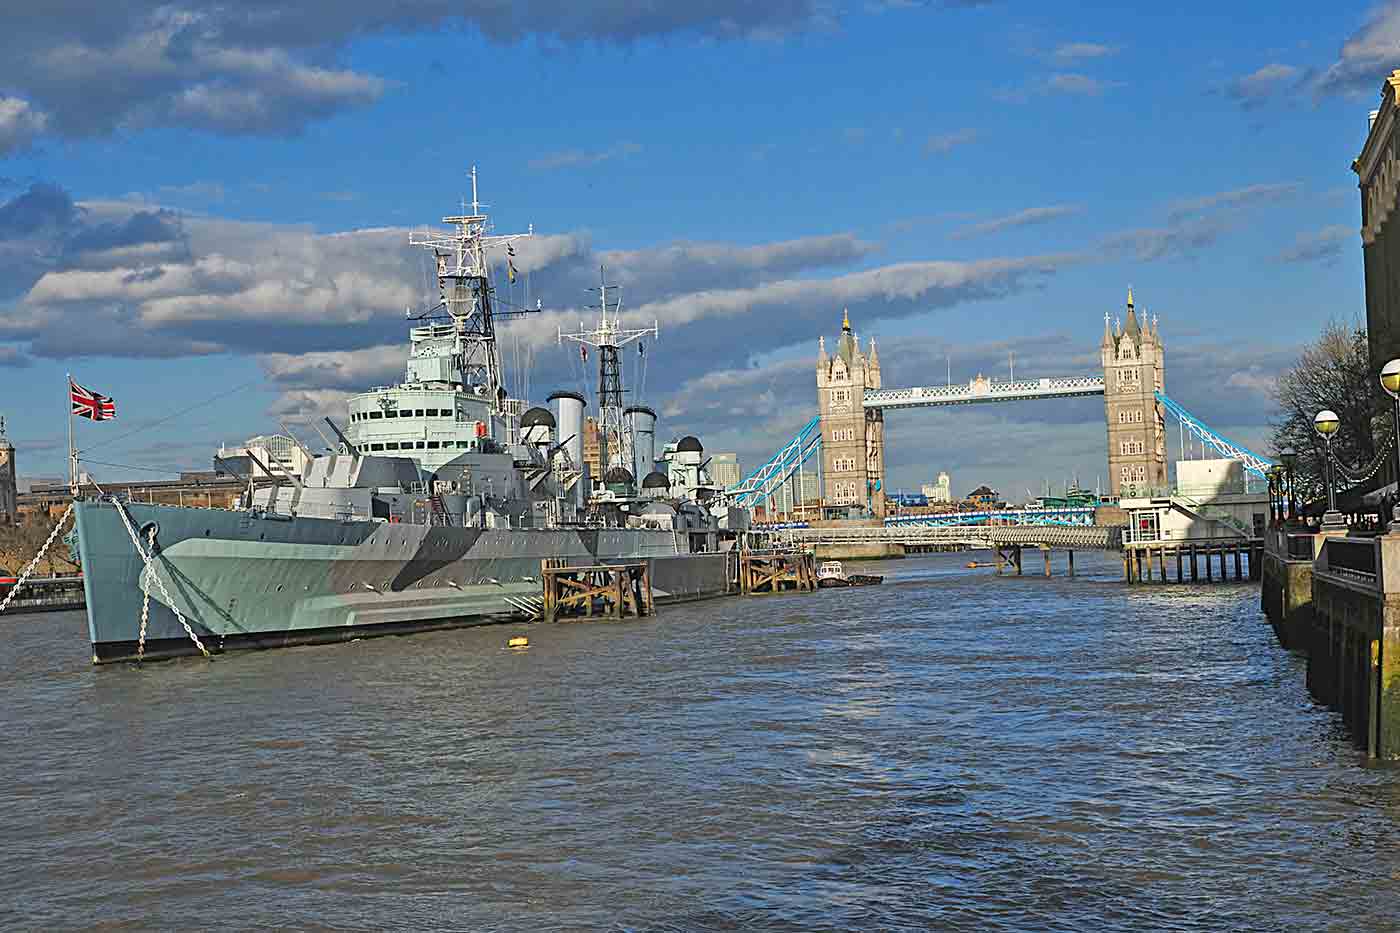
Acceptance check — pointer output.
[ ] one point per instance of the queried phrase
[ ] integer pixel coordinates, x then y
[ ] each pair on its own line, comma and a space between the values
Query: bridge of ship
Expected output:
764, 483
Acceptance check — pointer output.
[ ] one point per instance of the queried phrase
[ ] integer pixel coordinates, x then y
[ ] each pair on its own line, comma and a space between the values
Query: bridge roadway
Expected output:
984, 390
1073, 537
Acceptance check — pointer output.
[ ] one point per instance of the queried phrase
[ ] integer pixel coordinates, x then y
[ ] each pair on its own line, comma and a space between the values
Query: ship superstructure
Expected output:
452, 398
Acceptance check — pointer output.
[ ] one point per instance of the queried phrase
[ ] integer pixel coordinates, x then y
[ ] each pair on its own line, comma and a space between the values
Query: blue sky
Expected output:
196, 199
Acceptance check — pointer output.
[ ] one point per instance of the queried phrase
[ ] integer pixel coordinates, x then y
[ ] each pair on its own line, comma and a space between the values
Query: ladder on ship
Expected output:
437, 511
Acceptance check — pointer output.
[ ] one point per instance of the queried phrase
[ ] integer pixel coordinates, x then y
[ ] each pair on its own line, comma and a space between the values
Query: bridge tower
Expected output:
1133, 365
853, 438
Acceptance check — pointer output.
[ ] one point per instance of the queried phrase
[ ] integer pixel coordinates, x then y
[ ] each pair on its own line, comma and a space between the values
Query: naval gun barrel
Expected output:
343, 439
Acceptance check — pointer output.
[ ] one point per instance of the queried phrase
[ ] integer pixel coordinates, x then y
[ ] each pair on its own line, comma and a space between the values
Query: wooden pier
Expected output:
779, 571
1195, 561
601, 591
1008, 558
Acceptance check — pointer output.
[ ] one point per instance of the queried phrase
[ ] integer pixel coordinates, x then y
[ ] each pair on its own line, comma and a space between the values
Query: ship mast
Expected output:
467, 296
608, 336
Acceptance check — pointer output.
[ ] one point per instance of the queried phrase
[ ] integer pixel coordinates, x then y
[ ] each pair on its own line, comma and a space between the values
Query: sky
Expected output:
205, 207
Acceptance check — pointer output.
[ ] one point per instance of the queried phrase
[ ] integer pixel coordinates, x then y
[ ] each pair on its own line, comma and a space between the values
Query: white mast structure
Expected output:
467, 296
608, 336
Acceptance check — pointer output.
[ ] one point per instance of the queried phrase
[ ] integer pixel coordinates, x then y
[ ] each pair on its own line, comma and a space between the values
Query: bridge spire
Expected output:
1107, 333
1131, 325
845, 320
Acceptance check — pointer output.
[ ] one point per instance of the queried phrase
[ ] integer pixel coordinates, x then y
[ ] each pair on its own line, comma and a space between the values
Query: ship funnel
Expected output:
641, 428
568, 425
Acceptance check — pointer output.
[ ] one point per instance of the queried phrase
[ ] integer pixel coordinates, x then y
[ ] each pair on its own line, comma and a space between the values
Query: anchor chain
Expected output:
160, 584
145, 601
29, 569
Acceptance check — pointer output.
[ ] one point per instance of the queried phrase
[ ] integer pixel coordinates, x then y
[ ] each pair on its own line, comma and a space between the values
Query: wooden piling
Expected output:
1071, 563
612, 591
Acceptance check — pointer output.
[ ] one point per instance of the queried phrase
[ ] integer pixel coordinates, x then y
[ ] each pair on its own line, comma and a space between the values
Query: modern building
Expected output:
1211, 502
724, 469
939, 492
1133, 366
1378, 173
853, 437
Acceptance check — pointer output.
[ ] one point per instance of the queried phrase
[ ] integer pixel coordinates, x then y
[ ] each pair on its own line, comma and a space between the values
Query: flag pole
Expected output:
72, 454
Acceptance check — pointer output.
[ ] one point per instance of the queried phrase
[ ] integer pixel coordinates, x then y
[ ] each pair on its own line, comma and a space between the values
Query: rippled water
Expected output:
950, 750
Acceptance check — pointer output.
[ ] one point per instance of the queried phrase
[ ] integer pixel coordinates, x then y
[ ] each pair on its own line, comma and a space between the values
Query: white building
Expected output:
1210, 502
278, 452
941, 491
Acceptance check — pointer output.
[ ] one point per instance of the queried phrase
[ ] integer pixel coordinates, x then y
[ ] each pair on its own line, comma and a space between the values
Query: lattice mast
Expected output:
466, 294
608, 337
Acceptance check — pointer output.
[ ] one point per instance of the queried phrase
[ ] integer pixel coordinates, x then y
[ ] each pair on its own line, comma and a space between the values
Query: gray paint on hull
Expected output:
242, 578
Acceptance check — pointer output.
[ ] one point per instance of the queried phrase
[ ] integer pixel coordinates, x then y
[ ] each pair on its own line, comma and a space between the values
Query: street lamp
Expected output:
1390, 381
1326, 424
1275, 477
1289, 460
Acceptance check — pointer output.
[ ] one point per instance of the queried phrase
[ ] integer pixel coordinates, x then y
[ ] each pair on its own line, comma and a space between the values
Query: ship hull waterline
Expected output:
250, 580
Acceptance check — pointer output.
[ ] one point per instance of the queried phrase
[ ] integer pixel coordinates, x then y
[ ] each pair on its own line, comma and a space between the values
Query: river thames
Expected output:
947, 751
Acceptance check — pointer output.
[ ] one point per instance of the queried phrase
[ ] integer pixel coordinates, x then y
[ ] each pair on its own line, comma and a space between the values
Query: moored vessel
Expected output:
434, 508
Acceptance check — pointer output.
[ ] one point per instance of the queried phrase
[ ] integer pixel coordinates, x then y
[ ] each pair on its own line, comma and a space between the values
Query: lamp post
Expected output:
1326, 424
1275, 479
1289, 460
1390, 381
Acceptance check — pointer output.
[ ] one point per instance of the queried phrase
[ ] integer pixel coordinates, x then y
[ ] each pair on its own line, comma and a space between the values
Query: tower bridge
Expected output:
847, 436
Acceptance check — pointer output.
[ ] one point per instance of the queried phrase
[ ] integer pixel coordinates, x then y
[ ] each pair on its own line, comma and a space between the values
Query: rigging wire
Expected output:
169, 418
145, 469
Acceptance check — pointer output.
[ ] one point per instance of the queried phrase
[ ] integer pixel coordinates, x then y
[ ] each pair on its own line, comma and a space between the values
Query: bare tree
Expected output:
1332, 372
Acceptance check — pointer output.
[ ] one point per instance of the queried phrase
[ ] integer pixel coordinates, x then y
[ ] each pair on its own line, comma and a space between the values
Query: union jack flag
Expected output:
90, 404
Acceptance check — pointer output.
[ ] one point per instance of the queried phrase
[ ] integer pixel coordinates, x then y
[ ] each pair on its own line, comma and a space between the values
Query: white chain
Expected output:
145, 602
19, 583
151, 574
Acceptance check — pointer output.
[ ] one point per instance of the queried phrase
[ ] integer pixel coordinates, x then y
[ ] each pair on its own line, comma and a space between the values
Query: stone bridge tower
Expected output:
1133, 366
853, 438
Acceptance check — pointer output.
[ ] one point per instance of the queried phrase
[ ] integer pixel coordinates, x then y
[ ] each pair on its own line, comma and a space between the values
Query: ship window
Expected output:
391, 413
418, 412
391, 446
376, 446
432, 445
432, 412
463, 445
374, 415
420, 445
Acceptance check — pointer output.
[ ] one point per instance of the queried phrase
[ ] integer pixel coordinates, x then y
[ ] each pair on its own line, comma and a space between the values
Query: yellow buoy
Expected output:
519, 641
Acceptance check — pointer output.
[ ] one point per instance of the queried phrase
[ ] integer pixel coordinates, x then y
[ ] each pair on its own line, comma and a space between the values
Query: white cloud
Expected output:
941, 143
1079, 84
20, 124
1071, 52
578, 158
1258, 86
1024, 218
1323, 245
1366, 57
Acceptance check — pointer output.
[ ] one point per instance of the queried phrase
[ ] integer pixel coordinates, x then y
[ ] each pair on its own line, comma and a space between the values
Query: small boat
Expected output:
832, 574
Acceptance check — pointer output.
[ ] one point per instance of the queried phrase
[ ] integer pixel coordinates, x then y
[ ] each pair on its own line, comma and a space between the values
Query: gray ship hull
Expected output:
245, 580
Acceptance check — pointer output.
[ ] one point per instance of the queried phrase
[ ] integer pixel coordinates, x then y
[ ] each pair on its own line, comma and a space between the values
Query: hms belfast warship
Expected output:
434, 510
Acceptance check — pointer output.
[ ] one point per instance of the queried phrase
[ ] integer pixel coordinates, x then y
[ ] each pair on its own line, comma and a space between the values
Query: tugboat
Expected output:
831, 574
